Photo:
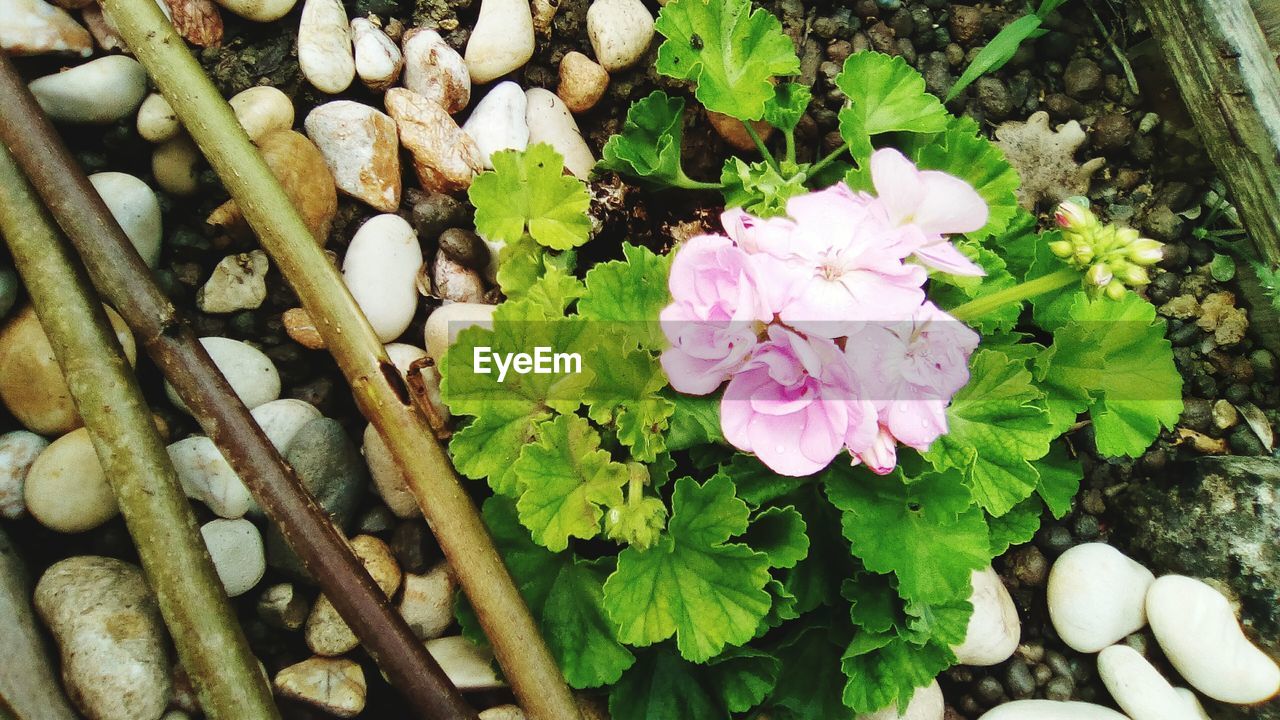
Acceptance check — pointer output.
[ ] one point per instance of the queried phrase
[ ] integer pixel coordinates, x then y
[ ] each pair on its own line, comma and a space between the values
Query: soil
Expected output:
1155, 178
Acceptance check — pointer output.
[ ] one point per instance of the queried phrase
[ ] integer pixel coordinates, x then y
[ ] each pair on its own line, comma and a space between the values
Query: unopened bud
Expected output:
1135, 276
1115, 290
1145, 251
1061, 248
1083, 255
1075, 217
1099, 275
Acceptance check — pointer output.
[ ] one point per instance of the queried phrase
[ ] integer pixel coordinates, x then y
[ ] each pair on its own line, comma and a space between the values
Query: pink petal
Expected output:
945, 257
949, 205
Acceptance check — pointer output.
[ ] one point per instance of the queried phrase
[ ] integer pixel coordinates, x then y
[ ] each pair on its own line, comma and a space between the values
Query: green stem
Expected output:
209, 640
831, 157
376, 385
791, 146
1016, 295
759, 141
684, 182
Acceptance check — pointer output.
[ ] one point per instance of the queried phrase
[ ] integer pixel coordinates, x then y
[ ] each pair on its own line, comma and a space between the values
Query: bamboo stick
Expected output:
1231, 85
195, 608
378, 388
127, 284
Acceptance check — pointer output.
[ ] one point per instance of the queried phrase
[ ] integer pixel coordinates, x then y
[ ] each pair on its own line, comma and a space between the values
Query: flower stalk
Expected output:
208, 638
1016, 295
127, 284
378, 388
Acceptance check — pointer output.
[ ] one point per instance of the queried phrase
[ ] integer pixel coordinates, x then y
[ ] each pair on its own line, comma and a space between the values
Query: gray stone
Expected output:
1217, 518
28, 686
331, 468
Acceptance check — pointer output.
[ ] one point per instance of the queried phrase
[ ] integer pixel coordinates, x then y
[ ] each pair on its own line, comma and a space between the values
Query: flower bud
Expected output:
1099, 275
1115, 290
1134, 275
1073, 216
1083, 255
1145, 251
1061, 248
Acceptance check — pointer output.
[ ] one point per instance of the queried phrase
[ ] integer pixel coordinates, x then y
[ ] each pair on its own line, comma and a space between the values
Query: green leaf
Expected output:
628, 295
664, 685
884, 670
1222, 267
885, 95
1015, 527
507, 412
997, 52
1113, 360
779, 533
624, 393
998, 427
1051, 310
730, 52
759, 188
787, 106
1060, 476
927, 531
755, 483
522, 263
874, 604
694, 584
961, 151
527, 192
648, 148
565, 596
637, 522
695, 421
811, 684
943, 624
568, 481
815, 581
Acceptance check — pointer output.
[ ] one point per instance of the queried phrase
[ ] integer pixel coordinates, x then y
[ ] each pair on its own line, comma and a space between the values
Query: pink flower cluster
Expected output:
820, 326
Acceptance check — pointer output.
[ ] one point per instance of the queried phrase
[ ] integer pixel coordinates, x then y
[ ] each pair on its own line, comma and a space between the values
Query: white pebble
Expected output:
335, 685
100, 91
157, 120
445, 322
388, 479
18, 450
262, 110
380, 269
498, 121
174, 164
551, 122
34, 27
1198, 632
467, 666
251, 373
362, 150
427, 601
66, 489
1193, 703
1138, 688
115, 657
207, 476
926, 704
238, 282
378, 60
259, 10
1096, 596
502, 40
434, 70
134, 205
994, 628
281, 419
1050, 710
620, 32
325, 54
236, 549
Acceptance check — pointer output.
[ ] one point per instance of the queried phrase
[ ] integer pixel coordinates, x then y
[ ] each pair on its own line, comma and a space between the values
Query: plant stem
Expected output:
831, 157
791, 146
1016, 295
759, 141
684, 182
210, 643
128, 285
378, 388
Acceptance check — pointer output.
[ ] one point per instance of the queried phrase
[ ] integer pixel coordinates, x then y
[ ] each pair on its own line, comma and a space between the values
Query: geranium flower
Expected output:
910, 370
838, 264
925, 206
795, 405
716, 316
